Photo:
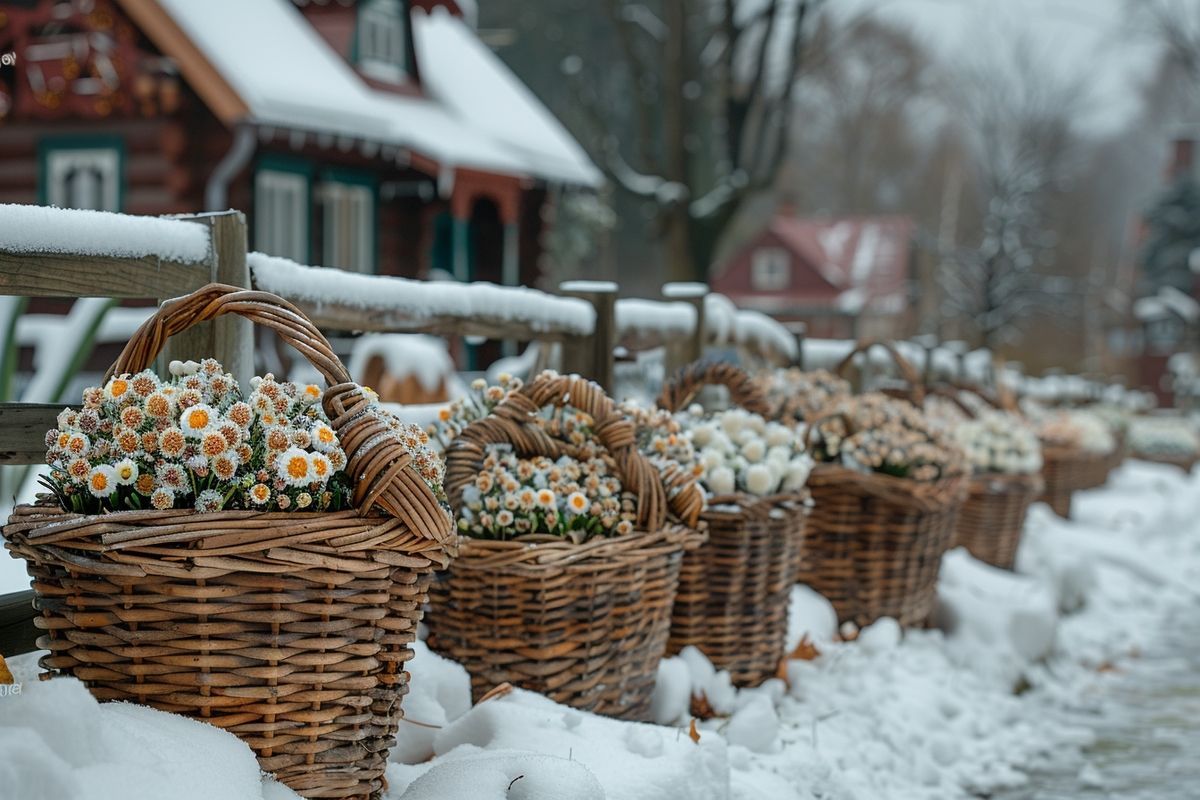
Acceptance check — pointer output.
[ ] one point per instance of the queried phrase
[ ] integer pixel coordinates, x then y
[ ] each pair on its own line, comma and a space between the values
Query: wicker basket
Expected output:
992, 519
734, 590
288, 630
584, 624
875, 542
1070, 470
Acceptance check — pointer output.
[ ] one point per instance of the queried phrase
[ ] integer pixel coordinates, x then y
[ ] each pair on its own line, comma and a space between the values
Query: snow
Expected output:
58, 742
425, 358
40, 229
920, 714
421, 300
607, 287
472, 82
724, 323
289, 77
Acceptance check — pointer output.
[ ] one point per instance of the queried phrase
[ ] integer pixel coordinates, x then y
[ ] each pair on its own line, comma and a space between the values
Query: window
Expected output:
382, 34
347, 212
281, 213
770, 269
82, 177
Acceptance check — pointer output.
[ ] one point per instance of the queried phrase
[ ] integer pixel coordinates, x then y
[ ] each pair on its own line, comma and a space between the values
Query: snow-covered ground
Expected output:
921, 714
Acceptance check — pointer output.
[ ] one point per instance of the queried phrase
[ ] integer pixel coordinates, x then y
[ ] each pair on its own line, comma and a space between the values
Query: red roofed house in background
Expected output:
844, 277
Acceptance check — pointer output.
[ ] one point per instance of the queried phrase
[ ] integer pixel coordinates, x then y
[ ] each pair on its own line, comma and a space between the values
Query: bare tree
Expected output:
1016, 118
707, 90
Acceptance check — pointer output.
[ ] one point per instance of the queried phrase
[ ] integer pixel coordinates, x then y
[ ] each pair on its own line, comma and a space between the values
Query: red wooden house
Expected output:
377, 136
844, 277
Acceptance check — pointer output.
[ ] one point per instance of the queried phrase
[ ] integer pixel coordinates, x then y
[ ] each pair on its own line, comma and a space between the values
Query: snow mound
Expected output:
60, 743
505, 775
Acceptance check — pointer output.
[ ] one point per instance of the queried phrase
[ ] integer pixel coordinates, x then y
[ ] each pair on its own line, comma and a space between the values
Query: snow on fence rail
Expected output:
643, 324
347, 301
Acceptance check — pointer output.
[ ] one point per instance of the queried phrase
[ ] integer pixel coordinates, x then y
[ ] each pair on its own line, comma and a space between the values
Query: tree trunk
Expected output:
679, 259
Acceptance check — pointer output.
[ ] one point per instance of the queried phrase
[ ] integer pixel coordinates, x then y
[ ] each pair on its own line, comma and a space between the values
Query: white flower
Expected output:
778, 435
175, 368
126, 471
711, 459
721, 480
102, 480
293, 467
196, 420
758, 479
323, 437
731, 423
754, 450
702, 434
780, 454
797, 473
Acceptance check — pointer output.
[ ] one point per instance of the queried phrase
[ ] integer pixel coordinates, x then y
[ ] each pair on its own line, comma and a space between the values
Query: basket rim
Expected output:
541, 554
925, 496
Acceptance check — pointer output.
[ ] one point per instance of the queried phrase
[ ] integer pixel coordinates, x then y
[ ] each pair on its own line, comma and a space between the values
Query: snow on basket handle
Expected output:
682, 388
510, 423
376, 460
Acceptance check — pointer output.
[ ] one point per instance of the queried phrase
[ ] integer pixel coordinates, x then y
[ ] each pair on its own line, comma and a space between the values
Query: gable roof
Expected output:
866, 259
275, 69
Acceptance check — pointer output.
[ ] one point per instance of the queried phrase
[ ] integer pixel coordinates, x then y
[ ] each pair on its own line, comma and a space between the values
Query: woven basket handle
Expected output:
1002, 400
954, 396
377, 460
511, 423
907, 371
682, 388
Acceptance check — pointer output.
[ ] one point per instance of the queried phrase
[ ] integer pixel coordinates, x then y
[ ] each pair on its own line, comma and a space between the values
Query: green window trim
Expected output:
362, 178
49, 144
275, 162
409, 66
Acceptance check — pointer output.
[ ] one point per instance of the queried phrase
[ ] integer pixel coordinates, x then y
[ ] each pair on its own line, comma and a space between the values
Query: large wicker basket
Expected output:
875, 542
734, 590
584, 624
289, 630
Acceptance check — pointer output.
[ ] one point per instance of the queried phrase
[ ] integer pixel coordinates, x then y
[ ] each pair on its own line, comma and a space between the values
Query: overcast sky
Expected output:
1080, 37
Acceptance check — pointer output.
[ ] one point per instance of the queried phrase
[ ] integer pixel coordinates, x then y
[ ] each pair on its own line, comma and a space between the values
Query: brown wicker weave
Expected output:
734, 590
875, 542
1069, 470
586, 624
289, 630
992, 519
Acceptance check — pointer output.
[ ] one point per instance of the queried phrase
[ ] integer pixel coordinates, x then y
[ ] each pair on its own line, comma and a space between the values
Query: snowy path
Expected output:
923, 715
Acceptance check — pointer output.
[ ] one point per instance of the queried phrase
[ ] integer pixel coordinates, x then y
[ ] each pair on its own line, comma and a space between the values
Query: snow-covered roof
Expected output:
477, 113
1169, 300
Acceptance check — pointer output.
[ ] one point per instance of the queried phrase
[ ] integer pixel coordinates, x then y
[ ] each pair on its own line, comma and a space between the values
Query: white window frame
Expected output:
63, 162
383, 40
281, 212
770, 269
347, 225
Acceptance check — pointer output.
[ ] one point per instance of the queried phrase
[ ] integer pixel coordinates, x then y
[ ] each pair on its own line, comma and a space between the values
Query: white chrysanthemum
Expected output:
196, 420
758, 479
778, 435
209, 501
711, 459
293, 467
721, 480
323, 437
702, 434
102, 480
126, 471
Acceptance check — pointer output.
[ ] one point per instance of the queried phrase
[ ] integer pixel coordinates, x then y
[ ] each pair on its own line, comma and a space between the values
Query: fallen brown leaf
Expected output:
806, 650
5, 675
499, 691
693, 734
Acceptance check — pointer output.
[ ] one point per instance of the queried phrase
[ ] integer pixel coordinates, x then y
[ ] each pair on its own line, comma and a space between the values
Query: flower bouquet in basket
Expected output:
734, 590
1006, 478
256, 560
568, 565
795, 395
887, 488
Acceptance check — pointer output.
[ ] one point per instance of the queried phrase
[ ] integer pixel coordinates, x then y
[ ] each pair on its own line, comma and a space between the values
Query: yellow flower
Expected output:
117, 388
102, 481
577, 502
196, 420
319, 464
127, 471
293, 467
260, 493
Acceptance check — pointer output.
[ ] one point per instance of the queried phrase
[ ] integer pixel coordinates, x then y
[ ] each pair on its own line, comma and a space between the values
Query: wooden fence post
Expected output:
592, 355
684, 351
230, 339
800, 331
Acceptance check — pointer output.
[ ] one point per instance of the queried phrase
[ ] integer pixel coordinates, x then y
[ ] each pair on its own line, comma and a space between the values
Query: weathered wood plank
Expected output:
58, 275
592, 356
17, 633
23, 429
